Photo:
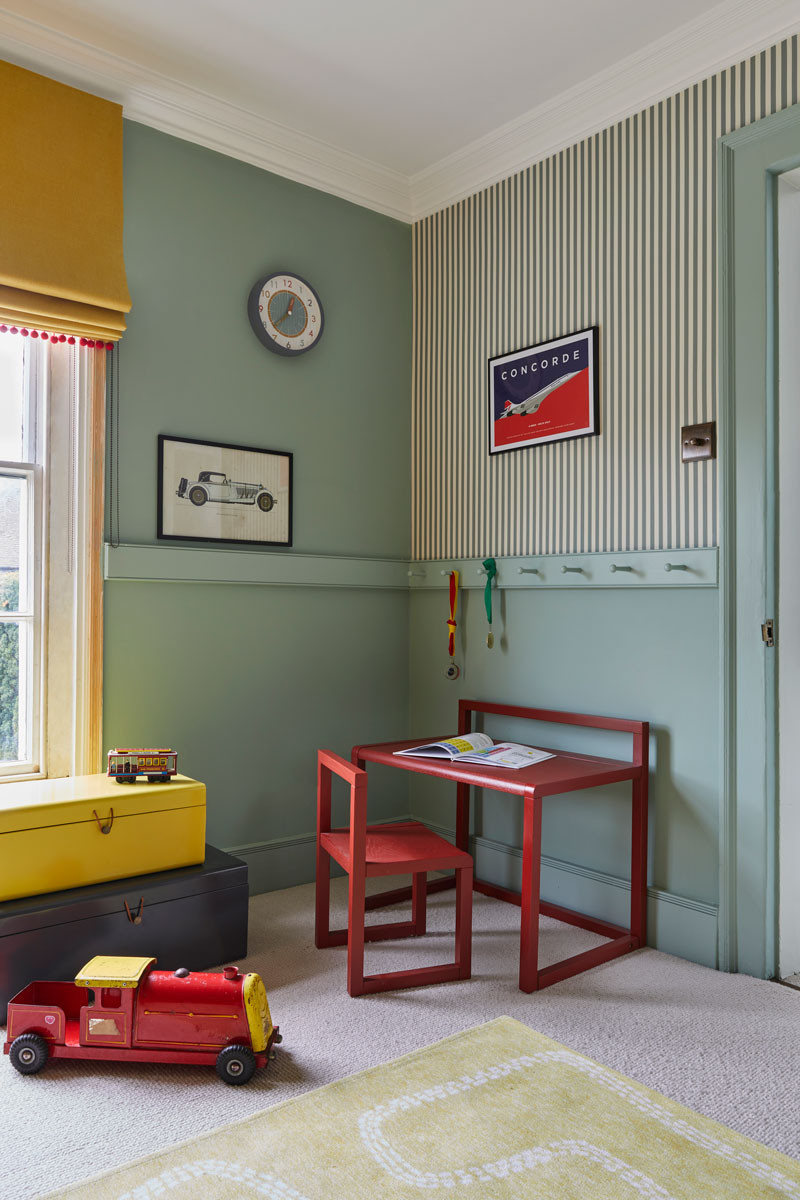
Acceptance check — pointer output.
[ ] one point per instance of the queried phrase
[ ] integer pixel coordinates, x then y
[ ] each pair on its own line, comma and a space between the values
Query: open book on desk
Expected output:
479, 748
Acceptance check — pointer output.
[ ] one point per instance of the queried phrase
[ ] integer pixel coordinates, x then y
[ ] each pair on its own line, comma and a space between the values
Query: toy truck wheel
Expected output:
28, 1053
236, 1064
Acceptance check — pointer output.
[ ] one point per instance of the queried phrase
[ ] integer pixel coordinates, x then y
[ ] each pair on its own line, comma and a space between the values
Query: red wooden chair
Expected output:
364, 851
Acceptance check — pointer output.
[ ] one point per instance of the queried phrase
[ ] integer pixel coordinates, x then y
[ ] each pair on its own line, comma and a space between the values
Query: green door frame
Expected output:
749, 162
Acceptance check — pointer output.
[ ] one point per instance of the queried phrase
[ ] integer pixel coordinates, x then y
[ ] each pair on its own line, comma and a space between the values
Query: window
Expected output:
51, 435
20, 558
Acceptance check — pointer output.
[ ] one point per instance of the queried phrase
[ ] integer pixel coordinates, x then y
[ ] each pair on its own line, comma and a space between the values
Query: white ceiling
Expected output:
403, 106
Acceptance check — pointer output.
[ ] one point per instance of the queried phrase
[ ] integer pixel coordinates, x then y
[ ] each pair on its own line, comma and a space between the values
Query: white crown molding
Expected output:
726, 34
196, 116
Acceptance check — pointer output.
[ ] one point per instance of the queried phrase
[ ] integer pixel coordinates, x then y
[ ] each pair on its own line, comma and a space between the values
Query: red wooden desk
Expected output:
566, 772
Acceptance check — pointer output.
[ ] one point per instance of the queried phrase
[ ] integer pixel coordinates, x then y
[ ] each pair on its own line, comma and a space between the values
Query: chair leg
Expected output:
322, 916
464, 922
419, 899
355, 930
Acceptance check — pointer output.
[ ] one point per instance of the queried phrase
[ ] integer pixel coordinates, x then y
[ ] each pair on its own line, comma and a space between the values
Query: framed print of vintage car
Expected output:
216, 492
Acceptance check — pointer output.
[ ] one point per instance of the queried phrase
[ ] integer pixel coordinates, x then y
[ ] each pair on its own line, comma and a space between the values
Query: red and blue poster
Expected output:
544, 393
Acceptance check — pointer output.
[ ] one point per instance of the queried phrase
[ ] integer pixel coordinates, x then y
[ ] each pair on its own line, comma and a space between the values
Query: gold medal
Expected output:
490, 639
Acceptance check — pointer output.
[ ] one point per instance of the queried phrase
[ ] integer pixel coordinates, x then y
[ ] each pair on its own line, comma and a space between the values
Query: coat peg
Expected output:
575, 570
447, 572
675, 567
528, 571
421, 574
614, 567
481, 571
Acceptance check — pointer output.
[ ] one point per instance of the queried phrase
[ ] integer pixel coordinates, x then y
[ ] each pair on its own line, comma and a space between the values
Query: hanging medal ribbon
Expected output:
490, 567
452, 671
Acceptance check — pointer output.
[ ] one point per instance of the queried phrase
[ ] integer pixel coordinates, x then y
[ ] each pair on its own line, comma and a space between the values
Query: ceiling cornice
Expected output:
720, 37
189, 113
726, 34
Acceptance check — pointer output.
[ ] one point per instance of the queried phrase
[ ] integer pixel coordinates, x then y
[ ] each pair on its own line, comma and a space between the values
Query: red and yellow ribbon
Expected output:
451, 624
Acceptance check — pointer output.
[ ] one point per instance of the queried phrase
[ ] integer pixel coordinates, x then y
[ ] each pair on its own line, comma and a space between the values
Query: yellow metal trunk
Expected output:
66, 833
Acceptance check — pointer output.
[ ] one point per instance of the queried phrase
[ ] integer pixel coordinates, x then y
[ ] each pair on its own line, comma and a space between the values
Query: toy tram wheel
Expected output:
28, 1053
154, 778
236, 1064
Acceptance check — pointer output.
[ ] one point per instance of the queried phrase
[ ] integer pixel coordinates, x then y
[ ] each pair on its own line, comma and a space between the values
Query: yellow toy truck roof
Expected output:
112, 971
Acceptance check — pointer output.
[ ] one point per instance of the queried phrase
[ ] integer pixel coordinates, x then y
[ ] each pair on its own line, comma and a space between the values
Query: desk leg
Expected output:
531, 878
462, 816
639, 861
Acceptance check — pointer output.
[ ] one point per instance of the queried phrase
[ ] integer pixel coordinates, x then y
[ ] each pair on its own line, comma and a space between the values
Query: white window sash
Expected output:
76, 434
28, 619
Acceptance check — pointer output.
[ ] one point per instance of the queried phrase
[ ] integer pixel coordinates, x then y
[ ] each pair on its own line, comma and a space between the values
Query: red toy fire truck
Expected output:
121, 1008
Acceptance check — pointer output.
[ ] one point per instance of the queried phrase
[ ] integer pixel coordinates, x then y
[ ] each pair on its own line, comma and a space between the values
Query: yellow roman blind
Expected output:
61, 262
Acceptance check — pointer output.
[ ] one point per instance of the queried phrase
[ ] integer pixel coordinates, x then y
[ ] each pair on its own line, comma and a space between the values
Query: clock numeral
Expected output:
261, 308
309, 302
287, 283
302, 342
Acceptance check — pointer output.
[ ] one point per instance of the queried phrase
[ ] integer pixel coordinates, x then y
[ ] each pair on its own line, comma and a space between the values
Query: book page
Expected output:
450, 747
506, 754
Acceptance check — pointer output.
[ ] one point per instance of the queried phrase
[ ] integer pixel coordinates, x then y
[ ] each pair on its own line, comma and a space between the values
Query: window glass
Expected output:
11, 398
13, 542
19, 624
103, 1027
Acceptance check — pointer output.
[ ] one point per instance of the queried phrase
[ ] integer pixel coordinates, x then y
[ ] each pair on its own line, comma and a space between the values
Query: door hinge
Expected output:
768, 632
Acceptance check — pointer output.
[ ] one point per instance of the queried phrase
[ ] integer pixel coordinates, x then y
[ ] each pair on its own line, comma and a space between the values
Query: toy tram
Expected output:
127, 765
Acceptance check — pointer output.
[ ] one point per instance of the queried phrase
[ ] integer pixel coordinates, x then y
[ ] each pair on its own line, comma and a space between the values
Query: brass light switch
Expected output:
699, 441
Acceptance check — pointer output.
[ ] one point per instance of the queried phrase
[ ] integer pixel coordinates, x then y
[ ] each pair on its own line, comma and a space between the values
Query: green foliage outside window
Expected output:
9, 669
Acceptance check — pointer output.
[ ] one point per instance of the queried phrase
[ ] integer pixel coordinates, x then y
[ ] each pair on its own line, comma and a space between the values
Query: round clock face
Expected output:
286, 313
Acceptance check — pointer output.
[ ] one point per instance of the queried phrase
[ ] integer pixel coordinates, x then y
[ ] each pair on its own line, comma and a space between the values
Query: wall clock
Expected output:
285, 313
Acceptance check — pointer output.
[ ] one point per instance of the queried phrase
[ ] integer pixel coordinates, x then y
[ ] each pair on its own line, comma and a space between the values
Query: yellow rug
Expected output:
496, 1113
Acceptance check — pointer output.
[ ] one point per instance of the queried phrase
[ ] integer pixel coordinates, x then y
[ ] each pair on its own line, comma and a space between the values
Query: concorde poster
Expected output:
544, 393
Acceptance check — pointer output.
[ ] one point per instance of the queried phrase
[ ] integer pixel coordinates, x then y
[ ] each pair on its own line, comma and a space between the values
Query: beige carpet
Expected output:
499, 1112
725, 1046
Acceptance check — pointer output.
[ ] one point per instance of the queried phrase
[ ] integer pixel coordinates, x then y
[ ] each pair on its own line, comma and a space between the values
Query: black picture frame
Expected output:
563, 371
221, 492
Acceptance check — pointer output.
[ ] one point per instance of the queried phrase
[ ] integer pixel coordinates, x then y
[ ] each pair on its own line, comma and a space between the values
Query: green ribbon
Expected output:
490, 567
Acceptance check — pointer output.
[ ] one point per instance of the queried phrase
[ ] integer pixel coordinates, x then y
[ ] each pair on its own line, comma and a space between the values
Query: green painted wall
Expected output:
246, 682
616, 652
200, 229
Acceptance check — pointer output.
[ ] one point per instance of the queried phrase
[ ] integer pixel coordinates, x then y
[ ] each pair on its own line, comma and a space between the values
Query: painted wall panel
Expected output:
620, 653
247, 683
617, 231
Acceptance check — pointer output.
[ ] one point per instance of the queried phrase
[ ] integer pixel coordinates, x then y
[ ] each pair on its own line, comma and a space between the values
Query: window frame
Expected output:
64, 439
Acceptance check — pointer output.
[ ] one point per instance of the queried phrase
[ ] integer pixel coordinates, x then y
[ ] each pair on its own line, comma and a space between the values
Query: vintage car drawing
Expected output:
215, 485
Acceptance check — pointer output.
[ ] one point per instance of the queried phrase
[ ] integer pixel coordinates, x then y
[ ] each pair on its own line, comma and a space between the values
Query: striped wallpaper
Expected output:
617, 231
